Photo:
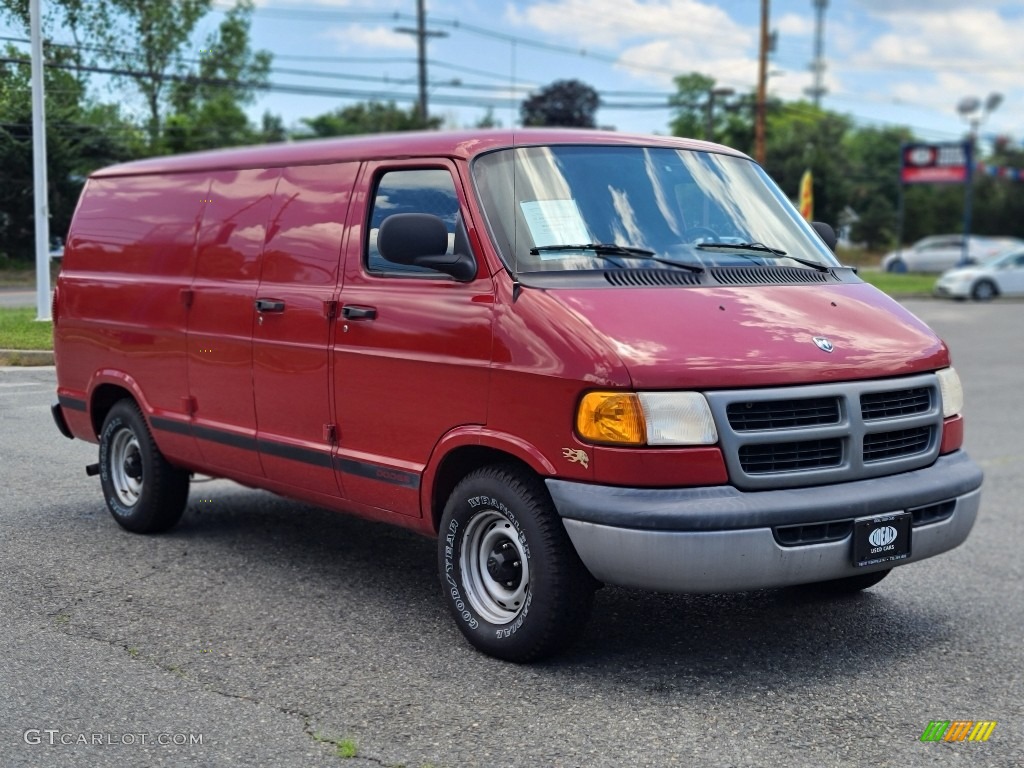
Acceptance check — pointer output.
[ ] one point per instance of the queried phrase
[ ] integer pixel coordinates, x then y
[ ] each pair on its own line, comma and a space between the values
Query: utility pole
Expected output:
818, 65
762, 87
422, 33
39, 183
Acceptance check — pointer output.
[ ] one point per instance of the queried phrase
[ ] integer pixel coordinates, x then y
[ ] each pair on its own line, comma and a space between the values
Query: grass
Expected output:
19, 329
899, 284
344, 748
347, 748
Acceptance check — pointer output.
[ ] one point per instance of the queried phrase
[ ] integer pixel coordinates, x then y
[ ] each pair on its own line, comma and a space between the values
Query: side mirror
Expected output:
421, 239
826, 233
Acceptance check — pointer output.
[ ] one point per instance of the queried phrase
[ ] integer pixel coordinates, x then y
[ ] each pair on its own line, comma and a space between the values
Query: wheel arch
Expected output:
103, 397
465, 450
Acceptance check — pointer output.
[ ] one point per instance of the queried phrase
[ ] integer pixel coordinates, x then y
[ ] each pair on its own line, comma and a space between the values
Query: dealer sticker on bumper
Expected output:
881, 539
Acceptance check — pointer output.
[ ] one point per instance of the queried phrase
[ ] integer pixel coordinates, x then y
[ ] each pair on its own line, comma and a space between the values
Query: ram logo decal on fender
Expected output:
576, 456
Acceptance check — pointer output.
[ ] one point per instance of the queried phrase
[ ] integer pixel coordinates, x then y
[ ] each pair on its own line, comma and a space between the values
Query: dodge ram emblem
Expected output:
823, 344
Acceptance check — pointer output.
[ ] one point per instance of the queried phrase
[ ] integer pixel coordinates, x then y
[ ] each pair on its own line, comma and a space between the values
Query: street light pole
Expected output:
39, 183
974, 111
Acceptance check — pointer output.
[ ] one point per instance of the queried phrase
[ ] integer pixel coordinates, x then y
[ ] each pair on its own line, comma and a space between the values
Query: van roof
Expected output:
455, 144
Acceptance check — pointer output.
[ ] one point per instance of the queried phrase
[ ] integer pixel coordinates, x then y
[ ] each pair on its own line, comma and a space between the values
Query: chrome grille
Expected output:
791, 437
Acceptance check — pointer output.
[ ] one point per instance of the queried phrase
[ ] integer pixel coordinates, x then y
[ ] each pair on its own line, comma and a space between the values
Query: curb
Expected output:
26, 357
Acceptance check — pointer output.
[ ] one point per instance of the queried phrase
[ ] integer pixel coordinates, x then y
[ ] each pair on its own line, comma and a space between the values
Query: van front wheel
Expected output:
510, 575
144, 493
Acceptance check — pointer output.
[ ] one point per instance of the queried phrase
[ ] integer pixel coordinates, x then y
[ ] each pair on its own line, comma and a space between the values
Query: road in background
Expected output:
272, 629
17, 297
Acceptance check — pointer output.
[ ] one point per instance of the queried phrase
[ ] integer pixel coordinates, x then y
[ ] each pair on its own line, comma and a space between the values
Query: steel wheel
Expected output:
495, 567
144, 492
984, 291
126, 467
511, 578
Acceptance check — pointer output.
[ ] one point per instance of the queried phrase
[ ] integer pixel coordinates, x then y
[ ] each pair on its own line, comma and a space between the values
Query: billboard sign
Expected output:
942, 163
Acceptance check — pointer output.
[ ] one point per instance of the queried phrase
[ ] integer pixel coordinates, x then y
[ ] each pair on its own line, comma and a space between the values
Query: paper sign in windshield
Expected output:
555, 222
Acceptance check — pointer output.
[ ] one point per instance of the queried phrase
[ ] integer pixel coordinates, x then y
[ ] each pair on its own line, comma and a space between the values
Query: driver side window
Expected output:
428, 190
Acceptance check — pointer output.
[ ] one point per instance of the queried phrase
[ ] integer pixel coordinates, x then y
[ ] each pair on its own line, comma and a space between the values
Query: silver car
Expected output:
940, 252
1000, 275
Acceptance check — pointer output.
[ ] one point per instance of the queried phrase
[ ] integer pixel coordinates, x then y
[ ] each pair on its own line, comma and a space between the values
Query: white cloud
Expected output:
933, 58
370, 37
326, 3
794, 24
611, 23
653, 40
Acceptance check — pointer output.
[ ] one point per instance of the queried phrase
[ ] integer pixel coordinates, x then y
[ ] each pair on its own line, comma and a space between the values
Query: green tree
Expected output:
364, 117
799, 137
689, 104
81, 136
874, 182
208, 103
568, 103
149, 39
488, 120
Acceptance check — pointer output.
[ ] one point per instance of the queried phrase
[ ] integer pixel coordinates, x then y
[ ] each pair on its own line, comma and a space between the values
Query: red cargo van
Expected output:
573, 357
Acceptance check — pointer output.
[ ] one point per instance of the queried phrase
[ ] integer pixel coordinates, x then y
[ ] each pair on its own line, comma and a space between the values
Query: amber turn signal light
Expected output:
611, 417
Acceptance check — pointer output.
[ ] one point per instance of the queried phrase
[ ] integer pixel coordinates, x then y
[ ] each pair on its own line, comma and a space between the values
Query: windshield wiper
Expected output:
763, 251
606, 250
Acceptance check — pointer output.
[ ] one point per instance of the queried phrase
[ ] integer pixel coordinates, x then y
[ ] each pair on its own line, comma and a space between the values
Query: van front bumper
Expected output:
721, 539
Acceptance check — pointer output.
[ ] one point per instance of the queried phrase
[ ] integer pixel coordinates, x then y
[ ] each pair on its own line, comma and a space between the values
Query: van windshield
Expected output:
599, 207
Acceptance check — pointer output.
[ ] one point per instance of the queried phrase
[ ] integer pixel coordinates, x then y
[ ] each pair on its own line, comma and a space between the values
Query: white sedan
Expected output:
1000, 275
939, 252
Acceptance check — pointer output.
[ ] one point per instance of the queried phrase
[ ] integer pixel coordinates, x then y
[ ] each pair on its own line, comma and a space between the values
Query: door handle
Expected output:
356, 312
269, 305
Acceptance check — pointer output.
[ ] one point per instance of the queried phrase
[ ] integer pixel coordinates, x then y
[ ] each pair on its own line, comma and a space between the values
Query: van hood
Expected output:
730, 337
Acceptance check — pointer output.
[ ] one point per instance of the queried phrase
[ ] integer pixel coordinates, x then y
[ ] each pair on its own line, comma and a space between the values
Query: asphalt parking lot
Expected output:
263, 632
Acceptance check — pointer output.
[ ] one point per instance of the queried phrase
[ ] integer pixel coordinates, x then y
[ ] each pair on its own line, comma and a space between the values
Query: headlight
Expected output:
952, 392
651, 418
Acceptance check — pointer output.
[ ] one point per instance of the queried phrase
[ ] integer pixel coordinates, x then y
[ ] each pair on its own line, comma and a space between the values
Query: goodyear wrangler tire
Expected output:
144, 493
510, 575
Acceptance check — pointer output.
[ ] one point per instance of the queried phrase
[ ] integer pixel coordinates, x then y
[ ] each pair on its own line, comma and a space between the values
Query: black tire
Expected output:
848, 586
897, 265
510, 575
984, 290
144, 493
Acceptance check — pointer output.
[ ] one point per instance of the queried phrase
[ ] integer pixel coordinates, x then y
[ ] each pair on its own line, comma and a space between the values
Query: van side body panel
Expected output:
291, 345
221, 318
123, 287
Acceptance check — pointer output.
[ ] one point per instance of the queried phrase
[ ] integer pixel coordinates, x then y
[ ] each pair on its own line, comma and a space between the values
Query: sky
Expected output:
888, 62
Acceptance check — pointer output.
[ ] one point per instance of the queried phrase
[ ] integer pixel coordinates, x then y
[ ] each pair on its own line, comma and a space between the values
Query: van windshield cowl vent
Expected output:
758, 275
649, 277
745, 275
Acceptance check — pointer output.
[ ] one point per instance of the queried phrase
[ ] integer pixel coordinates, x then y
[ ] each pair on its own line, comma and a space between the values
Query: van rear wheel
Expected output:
144, 492
510, 575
